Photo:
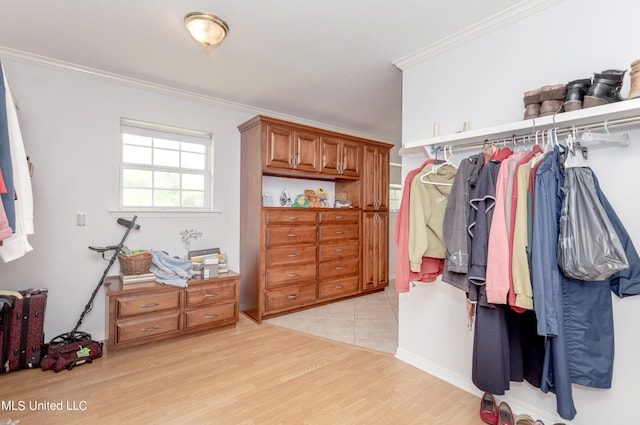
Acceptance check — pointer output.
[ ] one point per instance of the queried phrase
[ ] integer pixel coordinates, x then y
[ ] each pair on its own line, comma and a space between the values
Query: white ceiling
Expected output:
329, 61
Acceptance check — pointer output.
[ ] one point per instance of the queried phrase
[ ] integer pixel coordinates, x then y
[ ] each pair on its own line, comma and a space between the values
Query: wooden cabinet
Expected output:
340, 157
287, 149
293, 258
145, 312
375, 183
375, 250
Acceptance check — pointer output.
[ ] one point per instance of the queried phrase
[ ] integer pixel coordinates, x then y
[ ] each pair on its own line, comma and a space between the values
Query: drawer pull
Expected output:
292, 275
339, 233
215, 294
339, 250
339, 216
292, 218
292, 235
213, 316
293, 255
339, 268
339, 287
292, 297
155, 328
149, 305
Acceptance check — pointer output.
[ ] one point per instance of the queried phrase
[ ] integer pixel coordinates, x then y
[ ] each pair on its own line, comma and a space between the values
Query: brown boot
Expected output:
635, 80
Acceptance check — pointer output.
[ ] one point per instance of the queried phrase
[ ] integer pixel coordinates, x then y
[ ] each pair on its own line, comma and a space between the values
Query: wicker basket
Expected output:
137, 264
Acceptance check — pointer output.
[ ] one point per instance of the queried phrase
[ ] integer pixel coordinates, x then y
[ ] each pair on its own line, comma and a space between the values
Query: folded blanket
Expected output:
170, 270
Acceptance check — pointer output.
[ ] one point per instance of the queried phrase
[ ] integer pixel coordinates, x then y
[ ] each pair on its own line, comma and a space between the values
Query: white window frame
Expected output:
167, 133
395, 187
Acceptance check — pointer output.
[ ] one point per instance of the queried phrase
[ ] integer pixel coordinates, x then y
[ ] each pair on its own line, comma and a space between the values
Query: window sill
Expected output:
117, 213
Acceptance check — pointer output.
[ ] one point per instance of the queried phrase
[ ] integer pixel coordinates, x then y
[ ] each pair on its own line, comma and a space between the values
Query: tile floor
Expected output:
369, 321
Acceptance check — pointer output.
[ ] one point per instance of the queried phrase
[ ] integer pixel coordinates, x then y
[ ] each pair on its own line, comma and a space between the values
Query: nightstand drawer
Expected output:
338, 268
284, 299
147, 303
291, 235
213, 293
137, 329
337, 251
210, 315
290, 216
282, 276
290, 255
338, 232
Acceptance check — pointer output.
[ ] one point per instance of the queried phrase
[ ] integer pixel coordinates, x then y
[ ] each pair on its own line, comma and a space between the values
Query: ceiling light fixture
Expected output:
206, 28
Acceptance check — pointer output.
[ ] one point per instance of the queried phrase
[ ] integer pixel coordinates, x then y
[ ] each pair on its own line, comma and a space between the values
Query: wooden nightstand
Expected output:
144, 312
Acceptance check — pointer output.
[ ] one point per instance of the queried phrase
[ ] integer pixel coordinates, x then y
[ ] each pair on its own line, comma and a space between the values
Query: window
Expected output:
165, 168
395, 196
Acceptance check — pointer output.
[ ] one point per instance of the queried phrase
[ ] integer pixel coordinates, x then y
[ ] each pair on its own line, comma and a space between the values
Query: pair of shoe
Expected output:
494, 414
635, 80
546, 100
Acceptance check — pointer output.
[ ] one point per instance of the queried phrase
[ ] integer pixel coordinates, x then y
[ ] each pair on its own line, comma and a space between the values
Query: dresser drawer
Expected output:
339, 217
208, 316
335, 251
338, 288
285, 299
212, 293
147, 303
338, 232
290, 255
291, 235
290, 216
338, 268
147, 327
282, 276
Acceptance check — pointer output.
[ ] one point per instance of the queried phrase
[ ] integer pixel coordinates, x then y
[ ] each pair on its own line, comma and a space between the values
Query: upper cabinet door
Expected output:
330, 155
375, 181
351, 159
279, 148
307, 148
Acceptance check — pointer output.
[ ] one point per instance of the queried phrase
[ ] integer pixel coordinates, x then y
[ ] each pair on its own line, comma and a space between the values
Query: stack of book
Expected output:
137, 278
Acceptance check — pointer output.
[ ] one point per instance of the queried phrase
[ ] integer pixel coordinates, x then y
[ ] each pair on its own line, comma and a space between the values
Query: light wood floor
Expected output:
250, 374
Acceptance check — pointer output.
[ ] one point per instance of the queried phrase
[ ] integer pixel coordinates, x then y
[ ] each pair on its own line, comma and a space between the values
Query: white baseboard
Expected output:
465, 384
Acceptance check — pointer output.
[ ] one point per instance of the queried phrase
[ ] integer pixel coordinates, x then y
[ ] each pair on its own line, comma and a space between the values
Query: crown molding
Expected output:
88, 72
493, 23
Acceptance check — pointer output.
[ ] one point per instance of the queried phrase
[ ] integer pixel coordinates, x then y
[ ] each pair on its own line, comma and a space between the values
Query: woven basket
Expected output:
137, 264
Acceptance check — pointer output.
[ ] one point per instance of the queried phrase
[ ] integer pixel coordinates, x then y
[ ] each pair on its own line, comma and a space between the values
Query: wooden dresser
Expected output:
144, 312
293, 258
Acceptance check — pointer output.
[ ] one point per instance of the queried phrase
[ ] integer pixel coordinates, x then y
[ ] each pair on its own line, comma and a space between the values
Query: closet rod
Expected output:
530, 137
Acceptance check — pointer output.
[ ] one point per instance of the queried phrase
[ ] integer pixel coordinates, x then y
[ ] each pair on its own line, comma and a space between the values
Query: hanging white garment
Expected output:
17, 245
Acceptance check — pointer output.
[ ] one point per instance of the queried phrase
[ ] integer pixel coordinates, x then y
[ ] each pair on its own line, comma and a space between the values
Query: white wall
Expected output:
70, 125
483, 82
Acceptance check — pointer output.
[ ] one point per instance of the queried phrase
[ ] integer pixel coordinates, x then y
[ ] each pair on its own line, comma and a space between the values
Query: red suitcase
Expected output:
25, 331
